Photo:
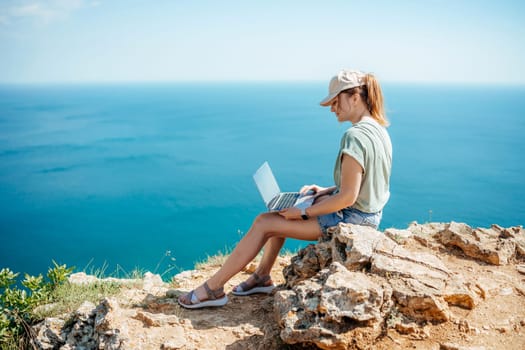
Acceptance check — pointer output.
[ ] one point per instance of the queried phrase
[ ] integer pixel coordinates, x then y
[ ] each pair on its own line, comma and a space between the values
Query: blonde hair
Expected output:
372, 95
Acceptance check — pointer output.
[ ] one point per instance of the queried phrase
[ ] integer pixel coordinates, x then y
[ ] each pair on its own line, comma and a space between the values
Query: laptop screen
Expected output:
266, 183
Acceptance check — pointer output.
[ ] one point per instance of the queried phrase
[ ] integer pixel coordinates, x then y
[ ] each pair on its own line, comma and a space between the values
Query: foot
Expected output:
203, 296
255, 284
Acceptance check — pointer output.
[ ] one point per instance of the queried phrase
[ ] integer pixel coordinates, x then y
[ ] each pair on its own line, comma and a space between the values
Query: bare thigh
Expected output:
274, 225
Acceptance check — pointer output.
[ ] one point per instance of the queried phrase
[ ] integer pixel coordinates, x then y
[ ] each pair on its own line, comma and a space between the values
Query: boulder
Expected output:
80, 332
48, 334
344, 288
89, 327
308, 262
488, 245
330, 311
110, 326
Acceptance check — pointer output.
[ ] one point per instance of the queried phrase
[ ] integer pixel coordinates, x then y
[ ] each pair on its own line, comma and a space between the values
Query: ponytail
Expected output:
374, 99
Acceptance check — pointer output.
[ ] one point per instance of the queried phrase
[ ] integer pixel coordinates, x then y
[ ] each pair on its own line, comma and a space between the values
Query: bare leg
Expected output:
265, 227
271, 251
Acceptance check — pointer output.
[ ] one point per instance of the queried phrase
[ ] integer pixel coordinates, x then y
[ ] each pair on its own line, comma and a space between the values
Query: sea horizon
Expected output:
444, 83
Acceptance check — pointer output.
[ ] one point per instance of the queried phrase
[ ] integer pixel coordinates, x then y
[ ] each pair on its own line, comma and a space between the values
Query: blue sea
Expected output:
157, 176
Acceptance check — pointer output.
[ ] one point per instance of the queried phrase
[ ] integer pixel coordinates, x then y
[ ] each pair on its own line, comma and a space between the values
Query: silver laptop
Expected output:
273, 197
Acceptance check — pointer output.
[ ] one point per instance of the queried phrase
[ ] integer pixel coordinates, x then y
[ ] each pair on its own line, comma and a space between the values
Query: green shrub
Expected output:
17, 304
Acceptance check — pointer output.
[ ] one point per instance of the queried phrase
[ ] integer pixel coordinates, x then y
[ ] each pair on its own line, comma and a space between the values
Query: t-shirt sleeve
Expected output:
353, 147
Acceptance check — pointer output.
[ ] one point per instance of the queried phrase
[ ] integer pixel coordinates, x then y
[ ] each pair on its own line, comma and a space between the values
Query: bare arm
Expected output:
351, 176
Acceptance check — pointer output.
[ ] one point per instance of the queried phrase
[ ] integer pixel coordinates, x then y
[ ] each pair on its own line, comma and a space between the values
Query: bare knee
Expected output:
262, 224
262, 219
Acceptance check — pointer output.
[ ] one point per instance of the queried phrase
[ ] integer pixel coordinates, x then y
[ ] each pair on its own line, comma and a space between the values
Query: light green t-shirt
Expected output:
369, 143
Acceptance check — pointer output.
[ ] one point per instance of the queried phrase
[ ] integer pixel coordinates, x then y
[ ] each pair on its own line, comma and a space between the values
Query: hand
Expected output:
291, 213
314, 188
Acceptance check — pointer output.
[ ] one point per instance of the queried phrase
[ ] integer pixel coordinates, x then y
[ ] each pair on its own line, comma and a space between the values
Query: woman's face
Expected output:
344, 107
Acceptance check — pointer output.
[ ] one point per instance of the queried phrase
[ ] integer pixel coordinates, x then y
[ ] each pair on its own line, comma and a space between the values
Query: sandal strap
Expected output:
213, 294
261, 280
244, 286
256, 277
192, 297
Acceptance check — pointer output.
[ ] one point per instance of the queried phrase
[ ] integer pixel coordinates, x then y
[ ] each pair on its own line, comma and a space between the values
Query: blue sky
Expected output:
132, 40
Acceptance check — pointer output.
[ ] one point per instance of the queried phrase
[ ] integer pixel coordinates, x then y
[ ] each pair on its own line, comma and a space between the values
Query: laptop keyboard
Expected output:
284, 200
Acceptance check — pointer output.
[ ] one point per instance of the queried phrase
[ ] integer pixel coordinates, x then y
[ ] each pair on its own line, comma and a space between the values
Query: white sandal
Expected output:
259, 287
216, 298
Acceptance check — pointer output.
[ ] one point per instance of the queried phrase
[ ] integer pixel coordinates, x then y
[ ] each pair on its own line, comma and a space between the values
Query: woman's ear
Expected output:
354, 98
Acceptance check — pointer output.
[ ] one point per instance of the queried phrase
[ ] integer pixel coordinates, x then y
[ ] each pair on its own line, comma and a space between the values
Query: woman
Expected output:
362, 176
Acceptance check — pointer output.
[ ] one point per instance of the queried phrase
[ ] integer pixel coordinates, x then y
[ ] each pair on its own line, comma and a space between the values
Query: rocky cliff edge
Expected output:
431, 286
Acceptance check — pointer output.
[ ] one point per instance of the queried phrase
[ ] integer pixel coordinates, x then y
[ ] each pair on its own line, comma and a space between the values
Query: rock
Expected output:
161, 305
458, 293
484, 245
80, 332
81, 278
85, 312
49, 334
418, 285
153, 283
174, 344
354, 245
326, 309
349, 283
465, 327
406, 328
452, 346
110, 326
487, 287
173, 293
520, 242
424, 233
185, 278
419, 302
156, 320
348, 294
426, 230
521, 269
398, 235
308, 262
400, 263
250, 268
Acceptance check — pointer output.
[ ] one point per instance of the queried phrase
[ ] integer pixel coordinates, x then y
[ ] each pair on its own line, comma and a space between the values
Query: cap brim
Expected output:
327, 101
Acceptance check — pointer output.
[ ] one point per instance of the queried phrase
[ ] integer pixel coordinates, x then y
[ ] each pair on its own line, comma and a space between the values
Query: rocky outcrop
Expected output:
495, 246
94, 327
342, 291
90, 327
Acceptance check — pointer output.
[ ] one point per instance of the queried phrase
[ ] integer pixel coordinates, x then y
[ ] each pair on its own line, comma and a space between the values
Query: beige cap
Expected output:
345, 79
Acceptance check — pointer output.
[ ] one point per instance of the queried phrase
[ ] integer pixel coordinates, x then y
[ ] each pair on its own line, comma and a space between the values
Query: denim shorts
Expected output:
349, 216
